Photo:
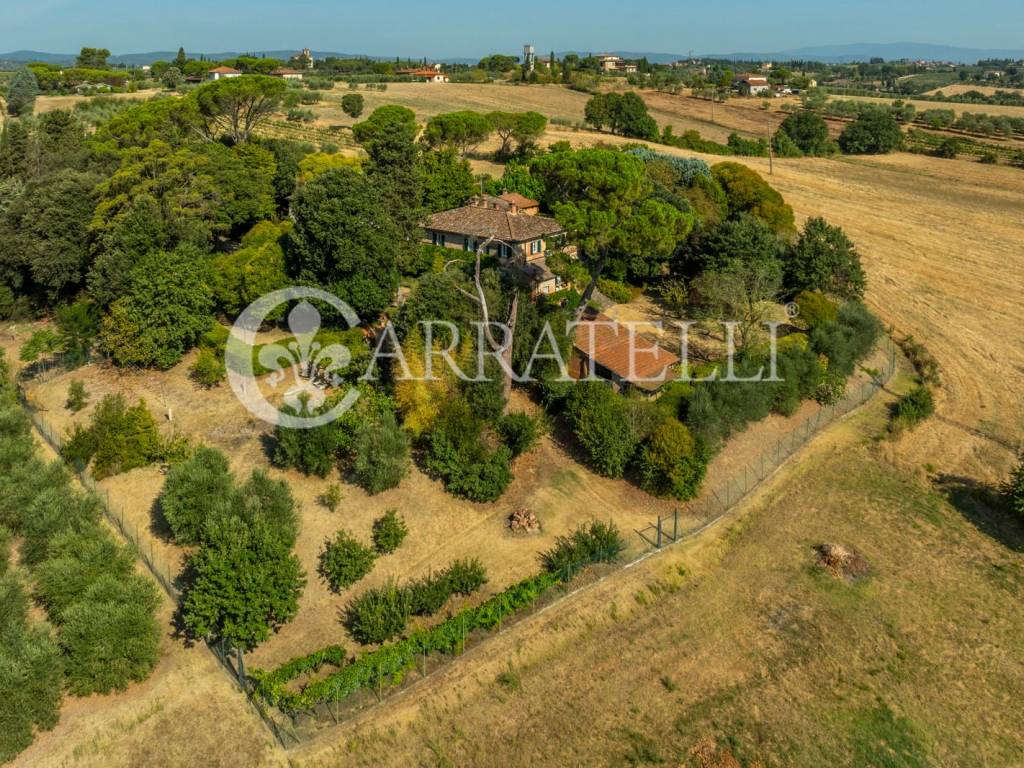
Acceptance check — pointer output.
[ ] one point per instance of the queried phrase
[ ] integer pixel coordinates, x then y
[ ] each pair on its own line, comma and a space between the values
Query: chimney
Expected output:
513, 208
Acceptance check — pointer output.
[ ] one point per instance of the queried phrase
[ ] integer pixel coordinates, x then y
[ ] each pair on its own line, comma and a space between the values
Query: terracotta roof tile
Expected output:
611, 348
477, 221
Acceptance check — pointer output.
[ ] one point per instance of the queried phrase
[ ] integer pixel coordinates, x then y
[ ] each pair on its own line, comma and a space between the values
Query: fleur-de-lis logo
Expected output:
313, 366
303, 364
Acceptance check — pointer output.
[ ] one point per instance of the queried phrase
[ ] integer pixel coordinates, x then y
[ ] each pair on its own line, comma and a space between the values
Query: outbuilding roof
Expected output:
612, 346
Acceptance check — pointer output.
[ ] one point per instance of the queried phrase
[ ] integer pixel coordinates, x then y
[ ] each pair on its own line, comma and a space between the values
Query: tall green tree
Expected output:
604, 200
165, 311
49, 225
236, 106
809, 132
462, 131
825, 259
875, 132
244, 583
93, 58
352, 104
346, 240
447, 180
367, 131
518, 131
22, 93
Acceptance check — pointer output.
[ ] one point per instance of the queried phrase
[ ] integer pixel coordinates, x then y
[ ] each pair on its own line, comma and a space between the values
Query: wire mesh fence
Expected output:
718, 497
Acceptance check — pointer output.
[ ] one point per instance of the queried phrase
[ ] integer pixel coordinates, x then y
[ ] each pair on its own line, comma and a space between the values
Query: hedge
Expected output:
389, 664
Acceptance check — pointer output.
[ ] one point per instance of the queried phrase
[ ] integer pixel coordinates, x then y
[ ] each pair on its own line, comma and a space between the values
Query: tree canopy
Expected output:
235, 106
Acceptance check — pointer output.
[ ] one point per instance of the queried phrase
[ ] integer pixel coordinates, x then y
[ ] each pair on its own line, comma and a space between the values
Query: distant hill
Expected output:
825, 53
889, 51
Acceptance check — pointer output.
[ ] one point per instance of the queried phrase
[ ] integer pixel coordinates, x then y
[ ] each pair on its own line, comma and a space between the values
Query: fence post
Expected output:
675, 524
659, 532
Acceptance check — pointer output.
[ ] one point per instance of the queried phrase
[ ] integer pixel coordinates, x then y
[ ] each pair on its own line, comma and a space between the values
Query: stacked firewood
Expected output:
523, 521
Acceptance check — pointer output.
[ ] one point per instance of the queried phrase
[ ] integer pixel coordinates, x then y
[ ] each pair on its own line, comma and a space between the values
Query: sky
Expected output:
460, 28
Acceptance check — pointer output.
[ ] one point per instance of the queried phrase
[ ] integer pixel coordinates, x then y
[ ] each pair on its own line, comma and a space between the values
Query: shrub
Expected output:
599, 419
519, 431
717, 409
111, 637
924, 363
801, 374
311, 451
344, 561
118, 439
194, 492
815, 309
381, 454
672, 464
464, 577
846, 341
389, 532
379, 614
616, 291
747, 192
459, 456
331, 498
913, 408
23, 482
208, 370
78, 398
1013, 490
596, 542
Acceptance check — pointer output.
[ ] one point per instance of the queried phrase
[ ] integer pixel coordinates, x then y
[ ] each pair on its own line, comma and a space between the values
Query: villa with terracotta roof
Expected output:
427, 74
620, 355
220, 72
519, 236
751, 85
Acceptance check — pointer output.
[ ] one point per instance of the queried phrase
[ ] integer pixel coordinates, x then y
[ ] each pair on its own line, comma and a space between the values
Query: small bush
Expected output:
597, 542
76, 561
381, 449
208, 370
616, 291
118, 439
379, 614
519, 432
1013, 490
389, 532
815, 309
672, 463
465, 577
78, 398
924, 363
331, 498
344, 561
913, 408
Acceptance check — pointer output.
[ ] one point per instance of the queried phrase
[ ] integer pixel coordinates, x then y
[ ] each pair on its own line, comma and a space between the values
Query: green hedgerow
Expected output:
597, 542
389, 532
345, 560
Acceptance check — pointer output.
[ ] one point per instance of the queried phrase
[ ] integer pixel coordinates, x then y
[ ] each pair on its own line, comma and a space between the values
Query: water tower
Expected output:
529, 58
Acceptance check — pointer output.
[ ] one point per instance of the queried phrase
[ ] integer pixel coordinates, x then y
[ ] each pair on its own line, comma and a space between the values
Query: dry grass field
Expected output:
736, 636
958, 88
741, 639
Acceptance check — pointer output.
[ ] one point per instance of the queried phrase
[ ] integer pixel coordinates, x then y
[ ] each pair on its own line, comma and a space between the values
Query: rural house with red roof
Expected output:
518, 235
619, 354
